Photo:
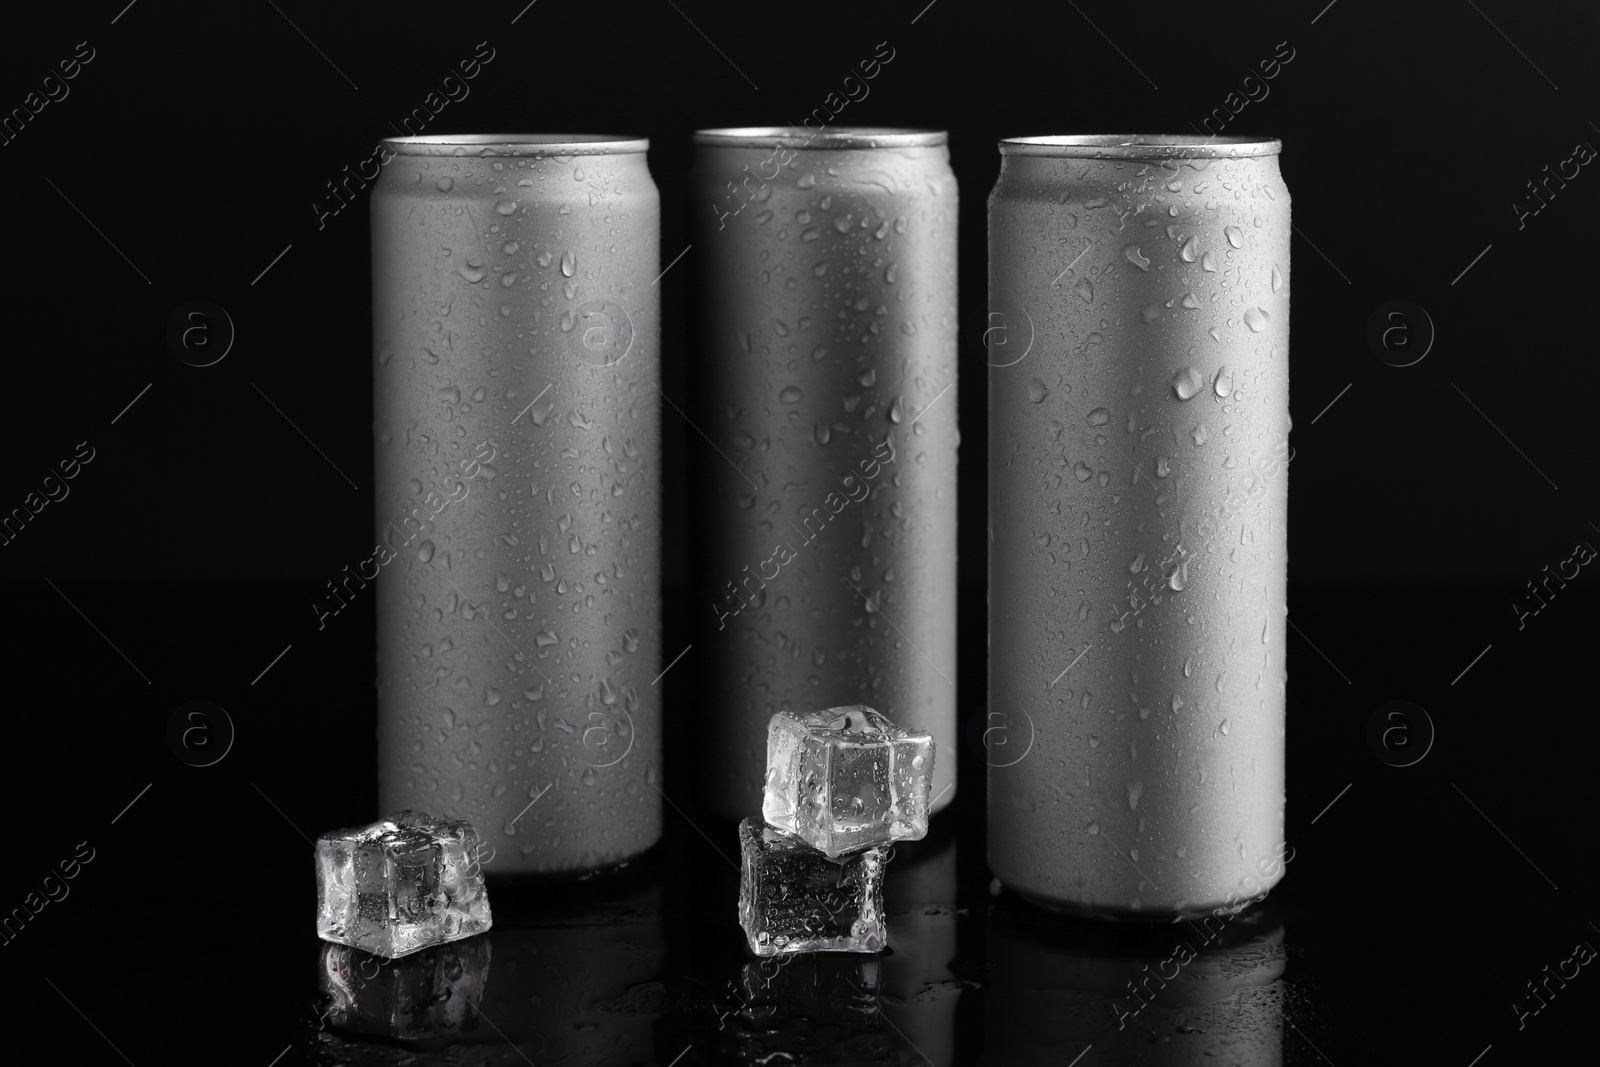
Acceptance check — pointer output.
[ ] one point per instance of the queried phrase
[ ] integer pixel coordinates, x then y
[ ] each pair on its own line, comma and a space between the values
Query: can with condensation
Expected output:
824, 520
517, 423
1138, 453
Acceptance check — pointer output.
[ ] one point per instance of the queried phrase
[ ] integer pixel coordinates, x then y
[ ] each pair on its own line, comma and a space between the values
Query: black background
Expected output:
188, 155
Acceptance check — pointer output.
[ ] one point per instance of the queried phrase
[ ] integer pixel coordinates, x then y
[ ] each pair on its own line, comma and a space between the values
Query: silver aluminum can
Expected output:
1138, 428
517, 424
825, 369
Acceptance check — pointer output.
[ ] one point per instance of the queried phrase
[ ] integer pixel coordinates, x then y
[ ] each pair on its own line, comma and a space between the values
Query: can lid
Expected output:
825, 138
516, 144
1140, 146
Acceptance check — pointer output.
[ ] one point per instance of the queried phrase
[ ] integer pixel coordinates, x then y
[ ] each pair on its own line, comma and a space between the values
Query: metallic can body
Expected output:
824, 524
1139, 418
517, 424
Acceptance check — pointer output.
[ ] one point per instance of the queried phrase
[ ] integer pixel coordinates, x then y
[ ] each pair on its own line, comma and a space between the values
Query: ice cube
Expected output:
428, 995
404, 883
846, 778
793, 898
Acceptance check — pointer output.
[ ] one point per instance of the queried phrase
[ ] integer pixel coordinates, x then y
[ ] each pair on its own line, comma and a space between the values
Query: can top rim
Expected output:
829, 137
517, 144
1140, 146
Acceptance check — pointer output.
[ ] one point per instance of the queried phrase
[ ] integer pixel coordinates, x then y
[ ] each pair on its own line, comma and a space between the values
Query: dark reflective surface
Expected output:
1187, 993
609, 971
1420, 902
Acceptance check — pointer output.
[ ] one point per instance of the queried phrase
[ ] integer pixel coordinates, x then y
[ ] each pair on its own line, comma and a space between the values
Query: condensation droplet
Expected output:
1186, 383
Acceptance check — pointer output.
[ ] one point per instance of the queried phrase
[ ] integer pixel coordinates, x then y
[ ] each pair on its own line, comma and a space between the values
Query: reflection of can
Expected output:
1137, 478
1185, 995
518, 451
826, 381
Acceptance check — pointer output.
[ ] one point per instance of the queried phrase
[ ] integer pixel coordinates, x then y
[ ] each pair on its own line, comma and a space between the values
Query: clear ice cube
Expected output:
793, 898
846, 778
402, 884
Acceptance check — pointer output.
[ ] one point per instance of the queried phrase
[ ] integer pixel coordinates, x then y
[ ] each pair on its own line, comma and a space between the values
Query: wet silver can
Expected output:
517, 422
1138, 336
824, 522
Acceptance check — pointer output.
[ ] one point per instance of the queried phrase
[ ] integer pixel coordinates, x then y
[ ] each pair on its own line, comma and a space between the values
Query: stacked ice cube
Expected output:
841, 784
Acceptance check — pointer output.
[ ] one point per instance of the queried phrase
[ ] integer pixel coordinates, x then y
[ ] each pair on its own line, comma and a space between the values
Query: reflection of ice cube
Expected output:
821, 1008
847, 778
793, 898
401, 884
429, 994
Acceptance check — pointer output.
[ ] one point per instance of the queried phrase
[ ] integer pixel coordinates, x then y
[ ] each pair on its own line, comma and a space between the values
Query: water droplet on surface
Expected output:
1223, 383
472, 271
444, 185
1099, 417
1256, 319
1136, 257
1186, 383
425, 551
1235, 236
1207, 263
569, 263
1277, 279
1190, 302
1177, 702
1085, 290
1082, 471
1224, 728
895, 413
1163, 467
1191, 248
1037, 390
790, 394
1137, 565
506, 207
1134, 791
